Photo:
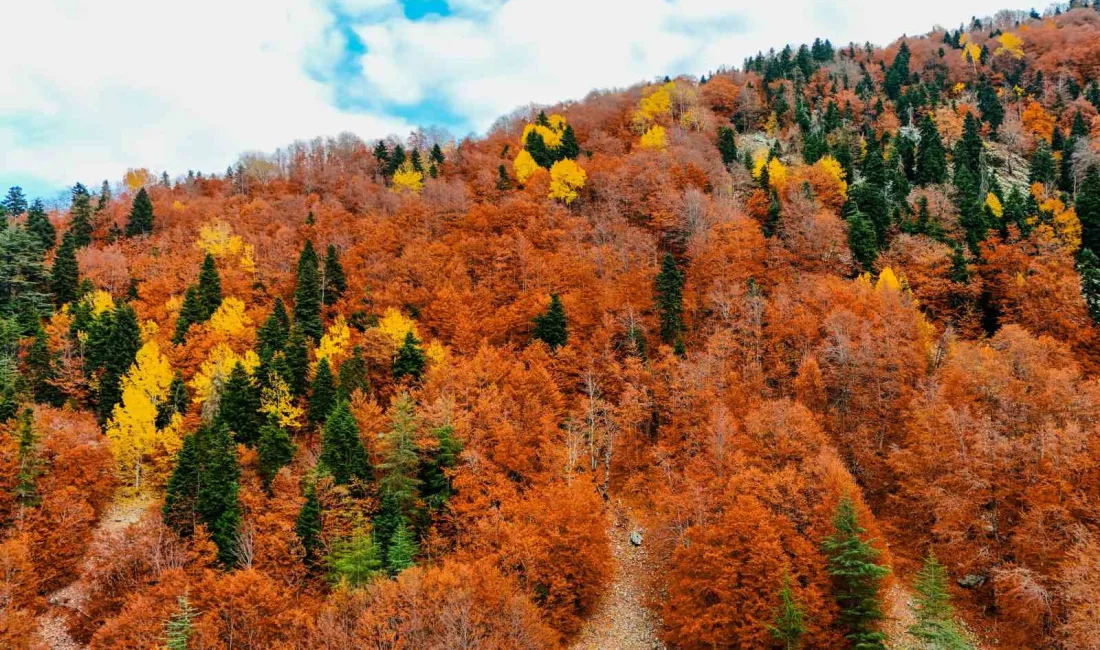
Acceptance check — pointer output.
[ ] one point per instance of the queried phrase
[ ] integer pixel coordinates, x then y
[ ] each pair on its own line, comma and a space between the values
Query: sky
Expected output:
91, 88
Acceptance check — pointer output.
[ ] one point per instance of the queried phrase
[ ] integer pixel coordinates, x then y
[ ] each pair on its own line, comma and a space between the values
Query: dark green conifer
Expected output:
935, 625
668, 288
307, 295
141, 215
1088, 267
39, 224
727, 146
65, 273
30, 463
122, 346
435, 156
788, 624
191, 313
862, 240
15, 202
342, 452
551, 326
239, 406
181, 494
275, 450
1087, 207
335, 283
175, 403
322, 395
308, 526
931, 164
1041, 167
273, 334
216, 502
210, 288
410, 360
41, 371
296, 356
503, 181
352, 375
857, 579
80, 216
569, 148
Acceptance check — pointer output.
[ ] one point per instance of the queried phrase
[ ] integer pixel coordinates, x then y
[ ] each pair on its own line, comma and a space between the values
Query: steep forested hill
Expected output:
821, 330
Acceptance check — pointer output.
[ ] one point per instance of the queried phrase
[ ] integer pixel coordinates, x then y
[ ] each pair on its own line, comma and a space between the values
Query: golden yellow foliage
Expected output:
971, 52
177, 206
771, 127
230, 318
1065, 224
135, 179
657, 104
215, 371
396, 325
1010, 44
654, 138
132, 430
217, 238
887, 281
407, 179
550, 135
277, 402
566, 177
335, 341
436, 353
832, 167
524, 165
958, 88
149, 330
100, 302
994, 205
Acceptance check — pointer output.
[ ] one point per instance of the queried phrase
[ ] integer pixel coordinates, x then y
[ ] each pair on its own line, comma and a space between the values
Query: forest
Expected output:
798, 354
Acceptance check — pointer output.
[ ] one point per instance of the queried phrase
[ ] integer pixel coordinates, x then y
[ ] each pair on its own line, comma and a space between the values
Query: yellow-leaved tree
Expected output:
994, 205
396, 325
655, 105
214, 372
217, 238
334, 343
566, 177
654, 138
407, 179
887, 281
277, 402
1010, 44
132, 430
135, 179
230, 318
524, 166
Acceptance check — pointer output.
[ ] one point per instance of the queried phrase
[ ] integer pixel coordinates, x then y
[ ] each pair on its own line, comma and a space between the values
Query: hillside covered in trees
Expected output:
821, 329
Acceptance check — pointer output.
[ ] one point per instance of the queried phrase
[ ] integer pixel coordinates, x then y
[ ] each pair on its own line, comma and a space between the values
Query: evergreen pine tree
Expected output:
727, 145
296, 356
335, 283
179, 629
65, 273
15, 203
122, 346
968, 150
436, 487
275, 451
190, 313
273, 334
342, 452
862, 239
352, 375
935, 626
1087, 207
540, 153
41, 371
216, 501
435, 156
382, 154
39, 224
856, 579
1088, 267
410, 360
26, 480
396, 159
402, 550
355, 561
569, 148
239, 406
1041, 167
551, 326
104, 197
322, 395
307, 295
668, 288
989, 104
415, 161
182, 491
931, 156
80, 216
210, 288
788, 625
504, 183
308, 526
141, 215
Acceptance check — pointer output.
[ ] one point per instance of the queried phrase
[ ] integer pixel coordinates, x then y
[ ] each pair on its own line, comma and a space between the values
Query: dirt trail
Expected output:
621, 621
52, 628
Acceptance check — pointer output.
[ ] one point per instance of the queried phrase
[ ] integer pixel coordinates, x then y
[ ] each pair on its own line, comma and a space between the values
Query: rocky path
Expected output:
52, 628
622, 621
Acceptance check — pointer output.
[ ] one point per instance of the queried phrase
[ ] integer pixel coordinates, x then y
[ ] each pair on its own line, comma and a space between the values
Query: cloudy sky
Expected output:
92, 87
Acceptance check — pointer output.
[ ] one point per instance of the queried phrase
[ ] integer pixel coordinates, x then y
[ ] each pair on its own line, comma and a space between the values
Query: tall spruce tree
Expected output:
15, 202
209, 288
39, 224
968, 150
322, 394
551, 326
273, 334
857, 579
1087, 207
862, 240
216, 501
355, 561
668, 289
308, 526
935, 625
275, 451
931, 166
41, 371
296, 357
181, 493
121, 349
65, 273
727, 146
140, 221
569, 148
352, 375
342, 452
307, 294
436, 487
190, 314
335, 283
80, 216
410, 360
29, 462
181, 627
175, 403
239, 406
788, 624
1088, 267
1041, 167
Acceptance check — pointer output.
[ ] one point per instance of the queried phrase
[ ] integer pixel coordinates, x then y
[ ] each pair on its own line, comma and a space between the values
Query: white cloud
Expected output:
92, 88
169, 86
486, 59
